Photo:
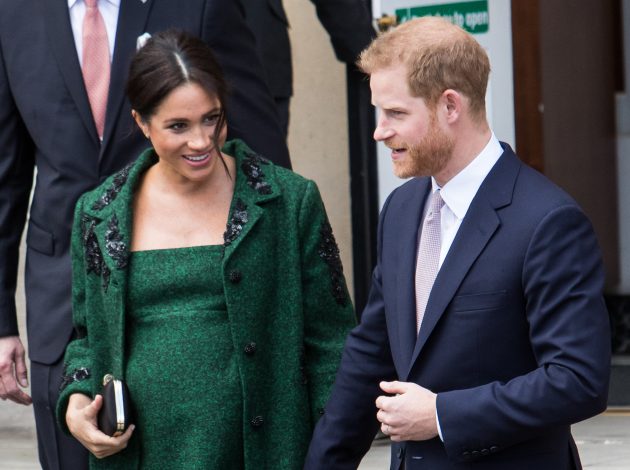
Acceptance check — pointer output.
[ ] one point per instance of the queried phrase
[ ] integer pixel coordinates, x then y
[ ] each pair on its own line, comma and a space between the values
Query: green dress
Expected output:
182, 371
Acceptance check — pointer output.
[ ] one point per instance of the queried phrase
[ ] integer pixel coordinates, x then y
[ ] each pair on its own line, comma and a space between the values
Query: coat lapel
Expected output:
61, 42
132, 20
479, 224
111, 209
255, 185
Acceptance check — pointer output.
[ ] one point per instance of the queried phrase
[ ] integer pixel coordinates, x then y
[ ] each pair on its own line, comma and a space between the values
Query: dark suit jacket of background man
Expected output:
45, 120
515, 338
348, 23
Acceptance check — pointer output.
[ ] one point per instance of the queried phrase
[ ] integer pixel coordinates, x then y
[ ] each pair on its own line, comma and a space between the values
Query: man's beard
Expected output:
428, 157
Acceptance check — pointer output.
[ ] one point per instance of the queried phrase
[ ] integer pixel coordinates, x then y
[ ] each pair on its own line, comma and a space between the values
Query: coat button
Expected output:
476, 454
257, 421
466, 455
250, 348
235, 276
485, 451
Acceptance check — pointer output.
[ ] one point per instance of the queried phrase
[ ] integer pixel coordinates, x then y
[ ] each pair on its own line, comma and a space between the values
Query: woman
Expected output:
228, 338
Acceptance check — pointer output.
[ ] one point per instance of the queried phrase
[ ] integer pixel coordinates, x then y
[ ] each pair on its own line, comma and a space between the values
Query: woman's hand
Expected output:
81, 419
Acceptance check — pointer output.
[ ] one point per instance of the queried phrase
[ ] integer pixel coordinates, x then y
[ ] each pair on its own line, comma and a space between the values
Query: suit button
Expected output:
257, 421
494, 449
476, 454
250, 348
485, 452
466, 455
235, 276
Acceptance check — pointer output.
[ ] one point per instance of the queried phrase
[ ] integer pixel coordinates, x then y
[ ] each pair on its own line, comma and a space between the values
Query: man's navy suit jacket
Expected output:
515, 338
45, 120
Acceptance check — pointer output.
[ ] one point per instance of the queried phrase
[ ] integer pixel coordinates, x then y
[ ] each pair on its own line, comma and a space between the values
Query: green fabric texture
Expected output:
178, 334
287, 305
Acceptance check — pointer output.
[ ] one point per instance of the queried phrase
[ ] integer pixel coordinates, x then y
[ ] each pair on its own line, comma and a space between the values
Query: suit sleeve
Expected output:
349, 25
252, 116
562, 282
77, 375
16, 178
328, 312
345, 432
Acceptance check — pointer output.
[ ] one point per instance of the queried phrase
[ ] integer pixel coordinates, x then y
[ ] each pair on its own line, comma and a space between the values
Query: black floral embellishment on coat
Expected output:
235, 225
329, 252
110, 193
93, 256
115, 245
80, 332
77, 375
255, 175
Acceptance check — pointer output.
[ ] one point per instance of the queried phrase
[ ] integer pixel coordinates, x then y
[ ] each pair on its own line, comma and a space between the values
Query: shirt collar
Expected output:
459, 192
72, 3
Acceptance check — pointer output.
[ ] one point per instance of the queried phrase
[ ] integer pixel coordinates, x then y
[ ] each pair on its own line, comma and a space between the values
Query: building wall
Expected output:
318, 131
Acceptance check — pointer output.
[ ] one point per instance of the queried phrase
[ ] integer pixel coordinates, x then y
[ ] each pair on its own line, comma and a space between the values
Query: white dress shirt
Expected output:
109, 12
459, 192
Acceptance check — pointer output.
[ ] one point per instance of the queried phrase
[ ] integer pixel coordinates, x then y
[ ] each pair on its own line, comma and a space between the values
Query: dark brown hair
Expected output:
168, 60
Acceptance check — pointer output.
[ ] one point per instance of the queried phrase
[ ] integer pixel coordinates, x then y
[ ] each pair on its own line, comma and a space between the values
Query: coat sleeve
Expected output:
349, 25
252, 114
345, 432
77, 375
16, 178
328, 312
562, 280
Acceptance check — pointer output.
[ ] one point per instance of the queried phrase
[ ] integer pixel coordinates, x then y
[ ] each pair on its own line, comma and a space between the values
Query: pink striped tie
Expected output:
96, 67
428, 255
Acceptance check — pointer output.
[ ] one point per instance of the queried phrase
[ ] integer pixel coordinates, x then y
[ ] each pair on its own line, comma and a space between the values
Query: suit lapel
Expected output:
412, 208
477, 228
61, 42
132, 20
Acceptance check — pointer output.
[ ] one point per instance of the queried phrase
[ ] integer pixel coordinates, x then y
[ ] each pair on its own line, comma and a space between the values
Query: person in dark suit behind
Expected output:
348, 23
47, 121
485, 335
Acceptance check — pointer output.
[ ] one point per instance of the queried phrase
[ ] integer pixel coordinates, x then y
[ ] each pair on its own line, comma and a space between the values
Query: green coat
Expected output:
285, 292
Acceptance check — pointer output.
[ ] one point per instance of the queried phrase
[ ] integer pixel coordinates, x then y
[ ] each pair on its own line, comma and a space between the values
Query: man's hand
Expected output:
410, 414
81, 418
13, 372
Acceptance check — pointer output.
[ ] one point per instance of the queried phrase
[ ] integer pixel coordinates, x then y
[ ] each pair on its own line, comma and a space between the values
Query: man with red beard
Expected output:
485, 335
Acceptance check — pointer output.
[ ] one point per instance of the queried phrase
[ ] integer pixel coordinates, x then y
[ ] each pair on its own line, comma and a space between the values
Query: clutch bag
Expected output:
115, 414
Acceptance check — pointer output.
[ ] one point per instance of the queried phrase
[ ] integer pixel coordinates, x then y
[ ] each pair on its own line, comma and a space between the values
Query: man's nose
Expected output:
382, 131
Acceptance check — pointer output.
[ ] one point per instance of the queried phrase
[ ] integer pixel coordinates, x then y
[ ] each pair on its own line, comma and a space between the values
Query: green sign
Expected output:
471, 16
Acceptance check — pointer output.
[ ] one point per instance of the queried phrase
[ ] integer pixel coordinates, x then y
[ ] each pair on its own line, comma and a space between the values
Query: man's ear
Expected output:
453, 103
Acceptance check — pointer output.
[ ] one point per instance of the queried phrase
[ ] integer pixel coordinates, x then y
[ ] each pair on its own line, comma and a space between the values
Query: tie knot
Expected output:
91, 3
436, 202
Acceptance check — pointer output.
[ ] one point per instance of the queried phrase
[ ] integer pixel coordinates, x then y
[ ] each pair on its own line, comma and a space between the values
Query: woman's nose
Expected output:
200, 140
